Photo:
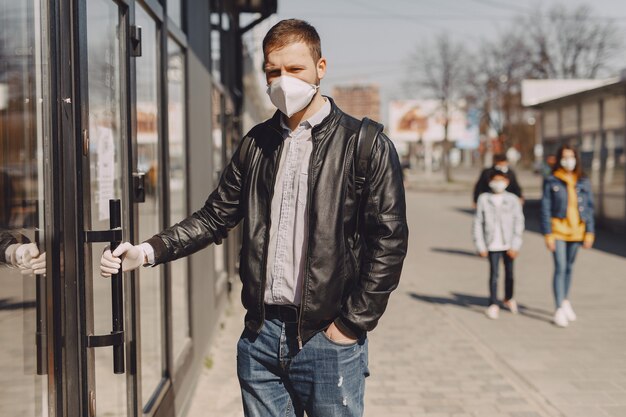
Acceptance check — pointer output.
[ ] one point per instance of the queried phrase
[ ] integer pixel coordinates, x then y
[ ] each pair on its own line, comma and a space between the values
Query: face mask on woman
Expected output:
290, 94
498, 186
568, 164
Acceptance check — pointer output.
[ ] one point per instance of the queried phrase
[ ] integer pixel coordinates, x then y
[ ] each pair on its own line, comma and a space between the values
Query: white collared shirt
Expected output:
288, 230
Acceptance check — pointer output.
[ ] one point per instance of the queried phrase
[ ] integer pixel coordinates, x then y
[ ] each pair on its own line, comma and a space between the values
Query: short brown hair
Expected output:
290, 31
499, 157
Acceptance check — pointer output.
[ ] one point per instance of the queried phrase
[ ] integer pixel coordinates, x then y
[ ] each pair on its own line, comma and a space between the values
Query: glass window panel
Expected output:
106, 180
175, 11
216, 55
150, 212
614, 190
178, 189
24, 126
218, 165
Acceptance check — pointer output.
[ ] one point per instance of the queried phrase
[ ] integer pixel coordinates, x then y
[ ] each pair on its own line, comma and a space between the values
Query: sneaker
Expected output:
493, 311
512, 306
560, 319
569, 311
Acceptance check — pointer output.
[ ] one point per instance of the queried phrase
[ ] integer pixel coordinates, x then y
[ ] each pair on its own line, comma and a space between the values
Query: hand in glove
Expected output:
38, 264
10, 254
133, 258
24, 255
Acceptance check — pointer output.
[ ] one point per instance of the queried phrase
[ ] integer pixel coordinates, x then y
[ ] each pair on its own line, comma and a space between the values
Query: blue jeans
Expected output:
494, 266
564, 256
325, 379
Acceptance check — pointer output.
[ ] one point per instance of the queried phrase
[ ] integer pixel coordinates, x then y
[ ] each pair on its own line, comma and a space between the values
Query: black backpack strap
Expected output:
368, 132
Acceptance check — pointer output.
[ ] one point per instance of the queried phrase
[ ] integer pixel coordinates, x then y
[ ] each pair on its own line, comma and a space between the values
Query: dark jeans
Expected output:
494, 263
564, 257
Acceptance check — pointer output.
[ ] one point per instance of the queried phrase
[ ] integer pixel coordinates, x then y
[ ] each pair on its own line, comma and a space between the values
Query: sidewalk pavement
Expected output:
435, 354
463, 180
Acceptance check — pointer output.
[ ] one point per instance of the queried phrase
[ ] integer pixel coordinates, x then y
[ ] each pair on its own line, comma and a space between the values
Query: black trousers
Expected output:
494, 263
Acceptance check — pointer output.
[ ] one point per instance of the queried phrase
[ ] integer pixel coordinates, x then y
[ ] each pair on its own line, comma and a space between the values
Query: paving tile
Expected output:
616, 411
435, 354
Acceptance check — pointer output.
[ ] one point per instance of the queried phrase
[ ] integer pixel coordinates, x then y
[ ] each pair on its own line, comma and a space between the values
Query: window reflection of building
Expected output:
150, 218
147, 150
23, 95
178, 191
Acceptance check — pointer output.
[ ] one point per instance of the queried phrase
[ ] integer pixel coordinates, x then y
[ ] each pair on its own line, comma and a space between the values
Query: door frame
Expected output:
74, 361
72, 316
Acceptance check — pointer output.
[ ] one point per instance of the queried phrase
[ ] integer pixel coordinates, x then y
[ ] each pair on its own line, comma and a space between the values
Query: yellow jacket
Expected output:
571, 228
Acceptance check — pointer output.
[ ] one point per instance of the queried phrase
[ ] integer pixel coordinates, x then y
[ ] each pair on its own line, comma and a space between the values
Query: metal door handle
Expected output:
40, 332
116, 338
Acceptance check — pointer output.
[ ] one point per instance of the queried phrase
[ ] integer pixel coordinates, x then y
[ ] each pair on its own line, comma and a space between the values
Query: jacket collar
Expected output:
505, 198
320, 131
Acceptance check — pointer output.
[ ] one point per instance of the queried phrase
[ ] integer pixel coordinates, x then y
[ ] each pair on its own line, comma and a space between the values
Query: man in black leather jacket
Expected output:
317, 266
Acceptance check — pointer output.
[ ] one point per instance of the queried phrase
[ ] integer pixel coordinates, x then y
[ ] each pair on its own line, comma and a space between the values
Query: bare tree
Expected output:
495, 78
570, 42
562, 42
442, 66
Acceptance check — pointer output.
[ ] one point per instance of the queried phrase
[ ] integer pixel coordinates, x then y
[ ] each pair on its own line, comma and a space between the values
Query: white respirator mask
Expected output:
568, 164
290, 94
498, 186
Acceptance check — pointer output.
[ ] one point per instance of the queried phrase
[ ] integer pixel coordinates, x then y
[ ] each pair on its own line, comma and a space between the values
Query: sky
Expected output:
369, 41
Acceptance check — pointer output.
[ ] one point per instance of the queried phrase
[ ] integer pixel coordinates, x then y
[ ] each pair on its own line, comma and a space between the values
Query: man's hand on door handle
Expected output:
126, 254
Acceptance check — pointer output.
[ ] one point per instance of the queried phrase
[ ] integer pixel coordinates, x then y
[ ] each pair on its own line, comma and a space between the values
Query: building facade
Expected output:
116, 120
593, 120
359, 100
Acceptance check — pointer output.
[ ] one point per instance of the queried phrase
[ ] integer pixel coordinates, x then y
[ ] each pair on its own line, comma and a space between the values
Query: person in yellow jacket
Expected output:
567, 222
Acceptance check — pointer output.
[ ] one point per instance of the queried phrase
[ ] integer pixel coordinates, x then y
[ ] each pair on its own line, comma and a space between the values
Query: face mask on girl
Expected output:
290, 94
568, 164
498, 186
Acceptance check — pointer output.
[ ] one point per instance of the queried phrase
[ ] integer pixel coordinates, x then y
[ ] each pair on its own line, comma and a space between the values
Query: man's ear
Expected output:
321, 68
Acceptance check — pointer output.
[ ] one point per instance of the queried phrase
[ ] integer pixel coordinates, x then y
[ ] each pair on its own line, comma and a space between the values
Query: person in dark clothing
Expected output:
500, 164
319, 260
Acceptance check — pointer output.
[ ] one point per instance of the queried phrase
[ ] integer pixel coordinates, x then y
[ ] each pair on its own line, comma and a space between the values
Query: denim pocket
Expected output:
329, 340
365, 359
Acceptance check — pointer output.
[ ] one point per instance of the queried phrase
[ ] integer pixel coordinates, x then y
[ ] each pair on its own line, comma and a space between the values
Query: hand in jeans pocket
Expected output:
337, 336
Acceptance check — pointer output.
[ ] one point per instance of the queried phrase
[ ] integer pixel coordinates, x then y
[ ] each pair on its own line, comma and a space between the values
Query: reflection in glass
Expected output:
614, 187
219, 251
178, 192
105, 171
175, 11
150, 281
23, 130
216, 52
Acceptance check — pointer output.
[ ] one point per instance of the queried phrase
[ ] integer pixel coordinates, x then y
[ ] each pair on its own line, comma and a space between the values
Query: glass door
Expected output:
150, 295
110, 379
24, 202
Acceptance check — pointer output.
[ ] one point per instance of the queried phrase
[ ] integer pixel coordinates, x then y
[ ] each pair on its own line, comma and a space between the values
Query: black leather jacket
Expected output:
348, 275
